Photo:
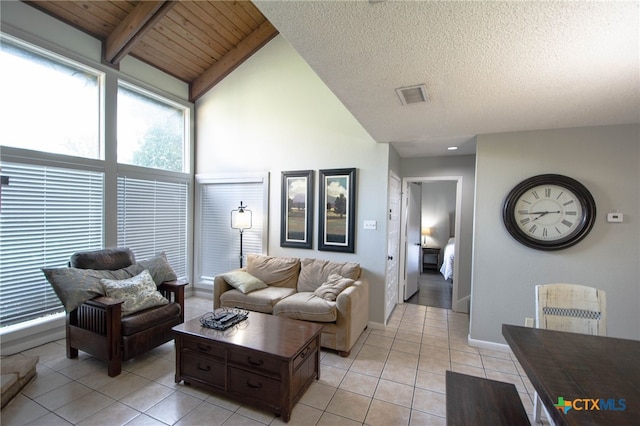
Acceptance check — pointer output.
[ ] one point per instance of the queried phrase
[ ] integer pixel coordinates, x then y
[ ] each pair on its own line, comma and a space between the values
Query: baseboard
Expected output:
492, 346
40, 333
375, 325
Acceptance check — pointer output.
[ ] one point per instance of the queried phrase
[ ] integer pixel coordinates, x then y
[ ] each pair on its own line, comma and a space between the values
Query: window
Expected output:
219, 244
49, 104
152, 217
151, 131
46, 213
64, 193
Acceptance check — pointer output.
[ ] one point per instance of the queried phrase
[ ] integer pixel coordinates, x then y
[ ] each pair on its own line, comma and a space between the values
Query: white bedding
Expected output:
447, 259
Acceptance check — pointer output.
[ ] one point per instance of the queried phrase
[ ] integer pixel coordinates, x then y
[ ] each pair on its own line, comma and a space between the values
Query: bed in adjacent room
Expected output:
447, 259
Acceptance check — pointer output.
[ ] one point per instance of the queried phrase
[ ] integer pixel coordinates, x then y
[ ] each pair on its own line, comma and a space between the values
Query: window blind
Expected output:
46, 214
219, 243
152, 217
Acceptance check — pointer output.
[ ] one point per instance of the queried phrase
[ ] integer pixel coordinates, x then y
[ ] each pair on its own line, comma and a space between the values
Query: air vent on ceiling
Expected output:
412, 95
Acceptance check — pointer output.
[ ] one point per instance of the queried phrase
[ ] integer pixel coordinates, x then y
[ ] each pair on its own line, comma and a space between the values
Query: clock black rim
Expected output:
586, 221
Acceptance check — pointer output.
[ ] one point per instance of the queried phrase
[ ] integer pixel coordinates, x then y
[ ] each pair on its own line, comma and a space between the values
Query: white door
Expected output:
412, 239
393, 245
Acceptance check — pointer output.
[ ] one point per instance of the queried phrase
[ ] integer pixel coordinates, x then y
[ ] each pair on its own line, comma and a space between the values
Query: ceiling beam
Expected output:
236, 56
141, 19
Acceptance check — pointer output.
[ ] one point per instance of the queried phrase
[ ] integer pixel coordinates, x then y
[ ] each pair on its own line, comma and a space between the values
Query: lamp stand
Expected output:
241, 248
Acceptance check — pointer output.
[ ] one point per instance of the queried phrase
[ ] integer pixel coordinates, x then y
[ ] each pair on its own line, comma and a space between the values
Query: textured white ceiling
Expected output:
488, 66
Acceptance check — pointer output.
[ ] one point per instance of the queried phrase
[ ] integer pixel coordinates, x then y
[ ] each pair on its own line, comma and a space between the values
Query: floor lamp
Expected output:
241, 219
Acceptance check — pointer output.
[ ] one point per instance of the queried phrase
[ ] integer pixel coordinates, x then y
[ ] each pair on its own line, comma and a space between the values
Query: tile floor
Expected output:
393, 376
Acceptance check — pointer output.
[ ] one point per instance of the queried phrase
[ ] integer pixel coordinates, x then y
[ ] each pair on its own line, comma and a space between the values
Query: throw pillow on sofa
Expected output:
274, 271
315, 272
159, 268
334, 285
243, 281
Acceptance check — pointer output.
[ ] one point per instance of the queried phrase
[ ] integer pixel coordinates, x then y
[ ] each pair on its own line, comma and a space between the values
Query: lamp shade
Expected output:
426, 232
241, 218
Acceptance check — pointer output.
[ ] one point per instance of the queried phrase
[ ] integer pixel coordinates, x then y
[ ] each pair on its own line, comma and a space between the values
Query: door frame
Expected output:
403, 262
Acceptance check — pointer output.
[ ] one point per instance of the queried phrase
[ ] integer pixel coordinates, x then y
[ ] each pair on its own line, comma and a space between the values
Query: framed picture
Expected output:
337, 207
296, 223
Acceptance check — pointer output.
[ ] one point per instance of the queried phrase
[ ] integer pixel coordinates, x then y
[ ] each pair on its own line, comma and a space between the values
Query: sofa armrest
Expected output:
353, 312
219, 287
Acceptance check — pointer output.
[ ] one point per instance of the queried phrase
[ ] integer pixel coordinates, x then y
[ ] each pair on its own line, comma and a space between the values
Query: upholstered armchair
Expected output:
98, 327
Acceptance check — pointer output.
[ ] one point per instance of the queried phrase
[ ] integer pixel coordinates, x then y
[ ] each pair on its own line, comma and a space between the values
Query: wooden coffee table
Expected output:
267, 361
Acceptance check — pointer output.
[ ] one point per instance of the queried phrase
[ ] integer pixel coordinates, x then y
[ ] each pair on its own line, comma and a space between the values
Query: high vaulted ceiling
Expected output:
488, 66
198, 42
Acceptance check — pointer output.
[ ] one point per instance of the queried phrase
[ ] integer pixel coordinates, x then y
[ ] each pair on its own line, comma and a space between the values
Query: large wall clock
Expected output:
549, 212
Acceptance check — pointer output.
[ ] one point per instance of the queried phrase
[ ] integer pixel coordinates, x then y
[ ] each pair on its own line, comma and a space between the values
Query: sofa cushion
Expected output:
315, 272
139, 292
274, 271
243, 281
261, 300
334, 285
306, 306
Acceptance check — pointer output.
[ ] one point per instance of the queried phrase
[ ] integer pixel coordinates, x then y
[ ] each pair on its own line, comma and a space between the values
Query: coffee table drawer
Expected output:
203, 369
254, 386
204, 347
308, 351
255, 361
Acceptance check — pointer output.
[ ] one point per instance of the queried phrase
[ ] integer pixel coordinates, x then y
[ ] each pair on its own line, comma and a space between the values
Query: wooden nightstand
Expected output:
430, 257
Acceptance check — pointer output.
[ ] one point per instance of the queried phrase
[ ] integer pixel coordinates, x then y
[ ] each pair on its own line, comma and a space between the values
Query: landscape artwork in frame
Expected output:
337, 205
296, 225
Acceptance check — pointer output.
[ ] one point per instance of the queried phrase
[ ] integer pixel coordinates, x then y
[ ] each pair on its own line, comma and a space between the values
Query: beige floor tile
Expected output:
429, 402
116, 414
499, 364
508, 378
494, 354
398, 373
154, 368
205, 414
144, 420
45, 383
437, 352
318, 395
383, 413
50, 419
359, 383
258, 415
22, 411
468, 369
462, 346
349, 405
84, 367
331, 376
434, 365
62, 395
466, 358
335, 360
409, 336
147, 396
240, 420
379, 341
329, 419
369, 367
431, 381
406, 346
173, 408
440, 341
403, 359
302, 415
395, 393
419, 418
81, 408
123, 385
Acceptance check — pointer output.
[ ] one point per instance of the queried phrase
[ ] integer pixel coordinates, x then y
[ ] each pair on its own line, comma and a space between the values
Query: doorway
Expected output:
439, 217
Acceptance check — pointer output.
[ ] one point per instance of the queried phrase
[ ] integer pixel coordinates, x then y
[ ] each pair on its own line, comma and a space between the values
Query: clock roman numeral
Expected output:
547, 192
560, 195
533, 228
523, 211
566, 223
535, 194
570, 213
544, 232
525, 220
568, 202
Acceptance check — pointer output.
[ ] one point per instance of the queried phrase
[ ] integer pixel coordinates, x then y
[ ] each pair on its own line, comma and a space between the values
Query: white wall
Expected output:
274, 114
456, 165
607, 161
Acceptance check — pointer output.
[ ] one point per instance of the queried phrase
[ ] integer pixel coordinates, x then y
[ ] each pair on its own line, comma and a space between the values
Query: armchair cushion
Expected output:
243, 281
331, 288
159, 268
75, 286
142, 320
139, 292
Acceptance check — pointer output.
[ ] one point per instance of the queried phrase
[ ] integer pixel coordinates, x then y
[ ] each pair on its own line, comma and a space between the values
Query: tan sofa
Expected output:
293, 289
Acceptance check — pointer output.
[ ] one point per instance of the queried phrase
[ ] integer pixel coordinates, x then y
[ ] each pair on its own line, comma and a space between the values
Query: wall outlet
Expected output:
528, 322
614, 217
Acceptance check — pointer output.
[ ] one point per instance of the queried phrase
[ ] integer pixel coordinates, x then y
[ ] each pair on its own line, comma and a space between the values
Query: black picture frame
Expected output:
337, 210
296, 221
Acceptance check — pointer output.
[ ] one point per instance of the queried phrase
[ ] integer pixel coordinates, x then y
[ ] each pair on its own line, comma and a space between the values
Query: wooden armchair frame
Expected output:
95, 327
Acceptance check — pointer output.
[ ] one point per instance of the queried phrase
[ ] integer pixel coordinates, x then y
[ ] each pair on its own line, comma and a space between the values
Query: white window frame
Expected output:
205, 283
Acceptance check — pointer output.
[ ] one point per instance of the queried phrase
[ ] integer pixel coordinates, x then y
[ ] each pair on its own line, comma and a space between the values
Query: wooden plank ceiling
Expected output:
199, 42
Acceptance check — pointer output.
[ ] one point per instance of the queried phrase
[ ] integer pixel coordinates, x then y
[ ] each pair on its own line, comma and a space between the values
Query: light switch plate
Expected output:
614, 217
370, 224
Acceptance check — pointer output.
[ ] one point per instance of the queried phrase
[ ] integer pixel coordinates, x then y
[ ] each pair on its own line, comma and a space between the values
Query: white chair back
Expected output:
571, 307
